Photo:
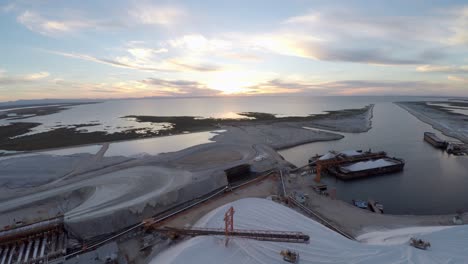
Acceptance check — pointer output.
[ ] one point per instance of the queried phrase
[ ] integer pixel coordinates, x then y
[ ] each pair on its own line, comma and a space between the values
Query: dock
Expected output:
434, 140
373, 207
354, 164
451, 147
366, 168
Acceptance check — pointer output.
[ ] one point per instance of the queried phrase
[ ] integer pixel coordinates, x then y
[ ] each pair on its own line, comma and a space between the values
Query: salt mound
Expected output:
325, 245
370, 164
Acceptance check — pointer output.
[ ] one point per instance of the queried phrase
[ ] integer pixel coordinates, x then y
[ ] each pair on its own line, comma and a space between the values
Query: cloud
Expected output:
276, 86
188, 64
312, 17
37, 23
371, 56
140, 88
351, 24
351, 36
180, 87
457, 78
143, 63
149, 14
305, 45
370, 87
200, 43
8, 7
312, 48
37, 76
357, 87
442, 69
6, 80
242, 56
459, 27
145, 53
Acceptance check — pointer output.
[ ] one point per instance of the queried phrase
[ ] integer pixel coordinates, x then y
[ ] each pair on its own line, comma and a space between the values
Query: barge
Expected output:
435, 141
347, 154
371, 167
352, 164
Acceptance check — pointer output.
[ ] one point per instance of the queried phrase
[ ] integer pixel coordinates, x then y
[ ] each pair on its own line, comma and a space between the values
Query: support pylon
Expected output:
229, 223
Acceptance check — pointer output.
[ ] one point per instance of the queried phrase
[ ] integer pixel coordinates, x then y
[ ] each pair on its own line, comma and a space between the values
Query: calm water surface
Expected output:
432, 182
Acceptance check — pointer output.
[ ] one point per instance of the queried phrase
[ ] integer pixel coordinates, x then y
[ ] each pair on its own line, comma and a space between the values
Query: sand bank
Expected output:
449, 123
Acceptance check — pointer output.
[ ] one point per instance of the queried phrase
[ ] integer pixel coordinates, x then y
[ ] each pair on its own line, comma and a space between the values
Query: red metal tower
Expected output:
229, 223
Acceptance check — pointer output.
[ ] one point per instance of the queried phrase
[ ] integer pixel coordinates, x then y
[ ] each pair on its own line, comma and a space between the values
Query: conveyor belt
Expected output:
278, 236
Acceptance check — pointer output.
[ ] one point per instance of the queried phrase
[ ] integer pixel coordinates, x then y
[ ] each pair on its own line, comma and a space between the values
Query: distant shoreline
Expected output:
353, 120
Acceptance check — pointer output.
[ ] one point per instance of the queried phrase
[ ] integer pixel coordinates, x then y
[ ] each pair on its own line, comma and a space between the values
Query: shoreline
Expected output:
356, 221
62, 137
444, 129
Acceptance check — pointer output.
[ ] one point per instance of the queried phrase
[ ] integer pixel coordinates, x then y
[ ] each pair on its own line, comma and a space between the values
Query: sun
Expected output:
231, 82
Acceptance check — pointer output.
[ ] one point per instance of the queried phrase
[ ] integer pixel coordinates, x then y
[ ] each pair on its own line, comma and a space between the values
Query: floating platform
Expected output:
435, 141
347, 154
366, 168
352, 164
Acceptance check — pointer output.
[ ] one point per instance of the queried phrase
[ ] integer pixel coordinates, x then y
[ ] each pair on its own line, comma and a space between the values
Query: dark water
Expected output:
432, 181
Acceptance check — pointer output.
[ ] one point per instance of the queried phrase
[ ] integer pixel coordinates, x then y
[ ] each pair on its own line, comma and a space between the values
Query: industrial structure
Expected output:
42, 242
229, 231
451, 147
354, 164
349, 171
434, 140
237, 173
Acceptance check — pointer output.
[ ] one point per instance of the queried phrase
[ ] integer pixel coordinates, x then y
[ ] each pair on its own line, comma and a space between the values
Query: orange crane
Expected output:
322, 165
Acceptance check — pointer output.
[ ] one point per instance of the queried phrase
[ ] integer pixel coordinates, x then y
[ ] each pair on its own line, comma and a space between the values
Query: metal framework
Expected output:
229, 223
229, 231
264, 235
35, 243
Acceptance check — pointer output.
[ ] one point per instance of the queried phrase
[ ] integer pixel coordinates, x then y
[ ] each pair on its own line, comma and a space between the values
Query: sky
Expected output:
132, 49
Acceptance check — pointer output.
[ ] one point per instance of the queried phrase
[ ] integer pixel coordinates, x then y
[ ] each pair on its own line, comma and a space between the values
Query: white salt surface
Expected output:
327, 156
348, 153
365, 165
326, 246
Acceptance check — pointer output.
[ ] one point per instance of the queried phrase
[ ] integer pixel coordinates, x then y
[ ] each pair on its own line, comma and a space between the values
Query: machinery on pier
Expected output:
419, 243
290, 256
